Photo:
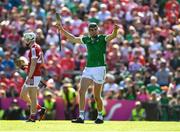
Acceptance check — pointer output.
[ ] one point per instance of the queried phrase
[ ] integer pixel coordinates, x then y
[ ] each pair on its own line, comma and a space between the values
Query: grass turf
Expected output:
89, 126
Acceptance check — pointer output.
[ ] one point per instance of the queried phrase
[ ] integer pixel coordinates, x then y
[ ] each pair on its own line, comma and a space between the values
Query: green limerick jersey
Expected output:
96, 48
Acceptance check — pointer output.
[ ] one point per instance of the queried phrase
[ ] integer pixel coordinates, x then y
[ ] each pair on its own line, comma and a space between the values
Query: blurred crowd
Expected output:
143, 62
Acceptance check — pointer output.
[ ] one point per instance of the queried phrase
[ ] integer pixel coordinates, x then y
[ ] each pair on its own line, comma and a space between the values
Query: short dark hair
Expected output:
92, 25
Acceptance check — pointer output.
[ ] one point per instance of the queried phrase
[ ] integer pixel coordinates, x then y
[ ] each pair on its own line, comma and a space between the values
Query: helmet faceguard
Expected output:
29, 37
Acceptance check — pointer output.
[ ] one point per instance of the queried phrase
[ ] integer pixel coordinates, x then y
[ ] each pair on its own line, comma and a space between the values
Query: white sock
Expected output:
81, 114
100, 115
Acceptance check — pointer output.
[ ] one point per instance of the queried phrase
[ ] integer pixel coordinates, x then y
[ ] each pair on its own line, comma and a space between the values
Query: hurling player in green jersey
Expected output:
95, 70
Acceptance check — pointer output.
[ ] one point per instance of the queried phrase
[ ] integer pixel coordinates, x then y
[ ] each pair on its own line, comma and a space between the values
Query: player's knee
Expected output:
82, 92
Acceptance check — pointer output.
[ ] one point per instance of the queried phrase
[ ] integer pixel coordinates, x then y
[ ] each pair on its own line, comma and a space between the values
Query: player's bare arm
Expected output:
69, 36
32, 68
114, 33
42, 57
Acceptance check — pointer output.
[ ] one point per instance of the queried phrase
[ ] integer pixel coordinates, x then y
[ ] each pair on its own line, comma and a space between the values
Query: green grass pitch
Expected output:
89, 126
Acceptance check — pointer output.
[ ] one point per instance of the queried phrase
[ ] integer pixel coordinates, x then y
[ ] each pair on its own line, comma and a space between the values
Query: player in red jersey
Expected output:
31, 85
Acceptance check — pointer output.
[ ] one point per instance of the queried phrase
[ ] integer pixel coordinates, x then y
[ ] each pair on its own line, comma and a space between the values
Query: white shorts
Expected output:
97, 74
34, 82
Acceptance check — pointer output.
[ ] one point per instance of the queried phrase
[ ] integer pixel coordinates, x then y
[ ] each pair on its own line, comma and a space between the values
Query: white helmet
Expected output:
29, 36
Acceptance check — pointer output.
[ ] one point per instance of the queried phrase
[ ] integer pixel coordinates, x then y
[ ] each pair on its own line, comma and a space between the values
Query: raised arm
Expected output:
68, 35
113, 34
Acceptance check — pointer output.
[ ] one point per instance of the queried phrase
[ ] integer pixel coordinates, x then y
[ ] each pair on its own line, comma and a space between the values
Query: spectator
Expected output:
163, 74
114, 57
130, 93
135, 65
67, 64
103, 14
138, 113
40, 38
50, 105
172, 8
175, 61
164, 101
110, 87
177, 79
2, 92
8, 64
52, 54
153, 108
17, 81
143, 95
12, 91
1, 114
1, 65
3, 79
154, 86
76, 23
174, 107
93, 16
14, 112
52, 37
69, 96
81, 11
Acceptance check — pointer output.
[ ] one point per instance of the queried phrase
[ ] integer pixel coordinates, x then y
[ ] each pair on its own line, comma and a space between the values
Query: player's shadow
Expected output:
89, 123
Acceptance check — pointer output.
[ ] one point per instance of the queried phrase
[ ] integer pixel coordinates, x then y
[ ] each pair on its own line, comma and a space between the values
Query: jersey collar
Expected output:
94, 38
